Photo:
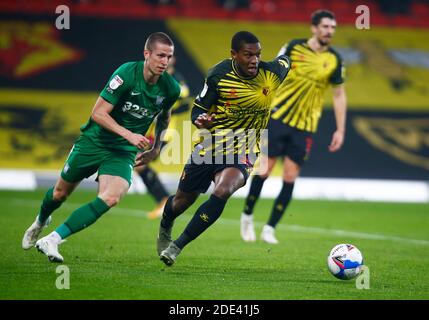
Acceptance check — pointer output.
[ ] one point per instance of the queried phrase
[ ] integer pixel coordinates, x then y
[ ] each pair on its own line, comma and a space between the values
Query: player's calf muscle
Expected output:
62, 190
180, 204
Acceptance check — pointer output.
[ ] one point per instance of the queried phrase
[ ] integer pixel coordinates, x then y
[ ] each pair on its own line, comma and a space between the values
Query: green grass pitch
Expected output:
116, 257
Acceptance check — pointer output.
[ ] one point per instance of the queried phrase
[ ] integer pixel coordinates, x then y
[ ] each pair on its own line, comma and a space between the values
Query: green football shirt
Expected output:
136, 104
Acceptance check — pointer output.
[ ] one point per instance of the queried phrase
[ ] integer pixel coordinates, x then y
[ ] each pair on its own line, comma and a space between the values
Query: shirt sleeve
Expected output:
282, 50
282, 66
176, 91
338, 76
286, 49
208, 96
119, 83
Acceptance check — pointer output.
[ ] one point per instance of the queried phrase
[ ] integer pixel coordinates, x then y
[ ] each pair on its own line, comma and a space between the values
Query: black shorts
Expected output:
284, 140
197, 176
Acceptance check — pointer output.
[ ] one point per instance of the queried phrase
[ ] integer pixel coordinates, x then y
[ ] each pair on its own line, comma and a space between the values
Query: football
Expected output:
345, 261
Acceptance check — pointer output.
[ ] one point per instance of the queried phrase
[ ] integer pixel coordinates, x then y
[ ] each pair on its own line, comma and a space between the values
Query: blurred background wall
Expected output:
50, 78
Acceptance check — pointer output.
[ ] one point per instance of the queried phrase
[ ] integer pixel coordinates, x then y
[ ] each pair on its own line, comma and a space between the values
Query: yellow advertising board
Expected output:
38, 128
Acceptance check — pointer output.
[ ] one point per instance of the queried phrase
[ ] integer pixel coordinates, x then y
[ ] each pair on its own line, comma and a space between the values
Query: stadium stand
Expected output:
387, 81
414, 13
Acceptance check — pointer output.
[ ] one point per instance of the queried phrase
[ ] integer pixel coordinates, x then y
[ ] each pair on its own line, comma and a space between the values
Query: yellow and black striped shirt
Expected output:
241, 105
299, 100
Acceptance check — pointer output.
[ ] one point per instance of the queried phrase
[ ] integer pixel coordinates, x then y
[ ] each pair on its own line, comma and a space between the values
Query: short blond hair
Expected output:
160, 37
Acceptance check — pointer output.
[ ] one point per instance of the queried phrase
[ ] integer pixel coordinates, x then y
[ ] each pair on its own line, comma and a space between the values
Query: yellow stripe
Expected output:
200, 106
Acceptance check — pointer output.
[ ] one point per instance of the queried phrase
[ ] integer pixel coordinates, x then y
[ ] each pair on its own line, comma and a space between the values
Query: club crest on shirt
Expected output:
159, 100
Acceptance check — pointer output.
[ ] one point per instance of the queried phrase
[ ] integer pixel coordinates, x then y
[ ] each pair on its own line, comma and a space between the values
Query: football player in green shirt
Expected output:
112, 142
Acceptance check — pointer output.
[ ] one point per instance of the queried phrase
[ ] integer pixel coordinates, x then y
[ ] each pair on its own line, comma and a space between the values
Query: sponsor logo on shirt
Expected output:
136, 111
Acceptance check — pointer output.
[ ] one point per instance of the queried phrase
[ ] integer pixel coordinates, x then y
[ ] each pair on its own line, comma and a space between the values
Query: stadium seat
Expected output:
312, 5
288, 5
420, 9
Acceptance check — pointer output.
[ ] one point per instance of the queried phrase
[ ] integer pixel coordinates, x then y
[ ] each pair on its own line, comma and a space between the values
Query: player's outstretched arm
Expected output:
162, 122
101, 115
340, 110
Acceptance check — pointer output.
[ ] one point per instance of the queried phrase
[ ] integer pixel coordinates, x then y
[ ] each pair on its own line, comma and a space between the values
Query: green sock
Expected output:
48, 206
82, 217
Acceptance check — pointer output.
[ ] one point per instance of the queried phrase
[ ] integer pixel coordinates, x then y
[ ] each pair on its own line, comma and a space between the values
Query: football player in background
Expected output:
296, 111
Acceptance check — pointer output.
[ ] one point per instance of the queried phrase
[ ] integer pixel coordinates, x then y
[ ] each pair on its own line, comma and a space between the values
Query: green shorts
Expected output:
86, 158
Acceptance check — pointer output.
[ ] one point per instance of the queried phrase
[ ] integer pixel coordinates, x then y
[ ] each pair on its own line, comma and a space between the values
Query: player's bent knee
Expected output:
223, 192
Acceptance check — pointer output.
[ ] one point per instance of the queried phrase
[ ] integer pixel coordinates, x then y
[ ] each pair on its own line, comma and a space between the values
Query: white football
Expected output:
345, 261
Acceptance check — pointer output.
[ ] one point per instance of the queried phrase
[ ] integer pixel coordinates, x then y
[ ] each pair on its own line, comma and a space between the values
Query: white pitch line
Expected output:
236, 222
336, 232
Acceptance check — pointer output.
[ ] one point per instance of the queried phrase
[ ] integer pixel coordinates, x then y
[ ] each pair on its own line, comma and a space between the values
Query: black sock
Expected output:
153, 184
254, 192
281, 203
169, 215
205, 216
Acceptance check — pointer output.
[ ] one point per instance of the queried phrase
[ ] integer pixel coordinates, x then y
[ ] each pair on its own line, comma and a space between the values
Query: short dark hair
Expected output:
242, 37
318, 15
160, 37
